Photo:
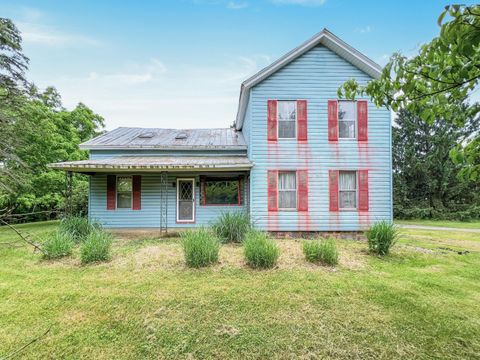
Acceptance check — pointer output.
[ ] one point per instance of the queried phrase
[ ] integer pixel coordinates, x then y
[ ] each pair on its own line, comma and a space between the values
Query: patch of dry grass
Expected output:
419, 302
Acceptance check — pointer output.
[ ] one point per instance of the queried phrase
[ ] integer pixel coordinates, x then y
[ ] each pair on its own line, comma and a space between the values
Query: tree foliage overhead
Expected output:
435, 82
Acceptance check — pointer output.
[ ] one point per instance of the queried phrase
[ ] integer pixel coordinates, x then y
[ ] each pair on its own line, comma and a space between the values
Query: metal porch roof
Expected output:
156, 163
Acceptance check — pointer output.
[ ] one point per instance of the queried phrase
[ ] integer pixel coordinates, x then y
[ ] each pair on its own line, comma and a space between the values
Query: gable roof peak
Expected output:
325, 38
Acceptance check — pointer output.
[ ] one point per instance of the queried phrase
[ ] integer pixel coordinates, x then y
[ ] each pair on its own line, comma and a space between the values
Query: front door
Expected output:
185, 200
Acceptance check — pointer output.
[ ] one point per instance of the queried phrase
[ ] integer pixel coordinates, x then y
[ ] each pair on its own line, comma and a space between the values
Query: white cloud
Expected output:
229, 4
46, 35
147, 73
299, 2
185, 96
364, 30
235, 5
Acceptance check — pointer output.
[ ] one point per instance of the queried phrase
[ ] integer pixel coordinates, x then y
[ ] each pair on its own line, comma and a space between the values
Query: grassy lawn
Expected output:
422, 301
442, 223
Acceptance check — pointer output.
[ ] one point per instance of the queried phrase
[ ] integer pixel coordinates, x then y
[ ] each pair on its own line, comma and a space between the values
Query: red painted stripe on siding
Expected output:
332, 120
333, 188
302, 120
272, 179
362, 118
111, 192
302, 176
137, 192
272, 120
363, 196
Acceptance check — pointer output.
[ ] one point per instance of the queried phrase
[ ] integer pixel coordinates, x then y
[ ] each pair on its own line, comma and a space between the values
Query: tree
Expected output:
35, 129
426, 181
13, 63
47, 135
434, 83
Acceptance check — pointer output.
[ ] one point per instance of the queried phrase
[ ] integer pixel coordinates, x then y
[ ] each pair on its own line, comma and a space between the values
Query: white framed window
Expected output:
124, 192
287, 190
347, 189
287, 119
347, 119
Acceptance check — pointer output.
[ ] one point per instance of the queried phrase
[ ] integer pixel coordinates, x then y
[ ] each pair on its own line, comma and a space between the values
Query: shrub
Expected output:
232, 226
57, 245
77, 227
200, 247
381, 237
321, 251
259, 250
96, 247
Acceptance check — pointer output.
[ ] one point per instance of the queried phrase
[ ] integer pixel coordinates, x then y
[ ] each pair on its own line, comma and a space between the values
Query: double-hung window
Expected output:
287, 190
124, 192
347, 119
287, 119
347, 188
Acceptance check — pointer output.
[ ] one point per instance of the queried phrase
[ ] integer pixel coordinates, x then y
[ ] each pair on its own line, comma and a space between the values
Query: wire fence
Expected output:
45, 215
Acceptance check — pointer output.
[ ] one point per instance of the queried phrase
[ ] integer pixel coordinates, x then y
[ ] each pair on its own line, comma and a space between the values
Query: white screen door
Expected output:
185, 200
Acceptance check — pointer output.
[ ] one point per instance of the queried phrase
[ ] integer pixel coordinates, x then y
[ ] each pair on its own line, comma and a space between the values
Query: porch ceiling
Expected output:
156, 163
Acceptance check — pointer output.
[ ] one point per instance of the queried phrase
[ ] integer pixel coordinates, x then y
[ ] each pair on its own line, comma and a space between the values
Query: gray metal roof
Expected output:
325, 38
175, 139
156, 163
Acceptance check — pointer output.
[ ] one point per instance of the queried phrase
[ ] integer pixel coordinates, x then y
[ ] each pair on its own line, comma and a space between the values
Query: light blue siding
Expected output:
149, 215
315, 76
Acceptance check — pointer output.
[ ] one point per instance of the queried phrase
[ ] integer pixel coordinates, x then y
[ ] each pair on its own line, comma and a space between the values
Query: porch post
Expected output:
163, 201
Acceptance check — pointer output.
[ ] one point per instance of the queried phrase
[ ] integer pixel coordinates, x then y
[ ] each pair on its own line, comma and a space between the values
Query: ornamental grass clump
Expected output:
381, 237
259, 250
200, 247
78, 227
58, 245
232, 226
96, 247
323, 251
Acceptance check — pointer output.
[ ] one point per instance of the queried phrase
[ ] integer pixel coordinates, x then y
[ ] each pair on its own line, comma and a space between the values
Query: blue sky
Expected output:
180, 63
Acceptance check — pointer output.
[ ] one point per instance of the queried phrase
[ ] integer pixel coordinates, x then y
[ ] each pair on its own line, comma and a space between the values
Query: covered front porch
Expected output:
163, 192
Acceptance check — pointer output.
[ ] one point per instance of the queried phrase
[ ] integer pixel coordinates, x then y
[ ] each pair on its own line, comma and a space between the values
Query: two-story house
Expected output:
297, 159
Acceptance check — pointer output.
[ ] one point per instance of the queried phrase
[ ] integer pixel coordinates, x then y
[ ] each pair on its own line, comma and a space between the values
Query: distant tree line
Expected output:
35, 130
427, 183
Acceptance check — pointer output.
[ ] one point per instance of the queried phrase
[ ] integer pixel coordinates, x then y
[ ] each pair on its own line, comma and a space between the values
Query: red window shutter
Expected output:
333, 187
272, 179
363, 190
302, 177
272, 120
362, 119
111, 192
302, 120
332, 120
137, 192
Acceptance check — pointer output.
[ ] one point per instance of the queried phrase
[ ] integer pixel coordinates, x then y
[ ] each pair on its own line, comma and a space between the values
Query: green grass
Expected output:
418, 302
442, 223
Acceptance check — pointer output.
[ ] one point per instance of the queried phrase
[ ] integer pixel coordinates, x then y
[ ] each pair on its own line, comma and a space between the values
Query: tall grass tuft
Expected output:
232, 226
200, 247
381, 237
57, 245
78, 227
259, 250
322, 251
96, 247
